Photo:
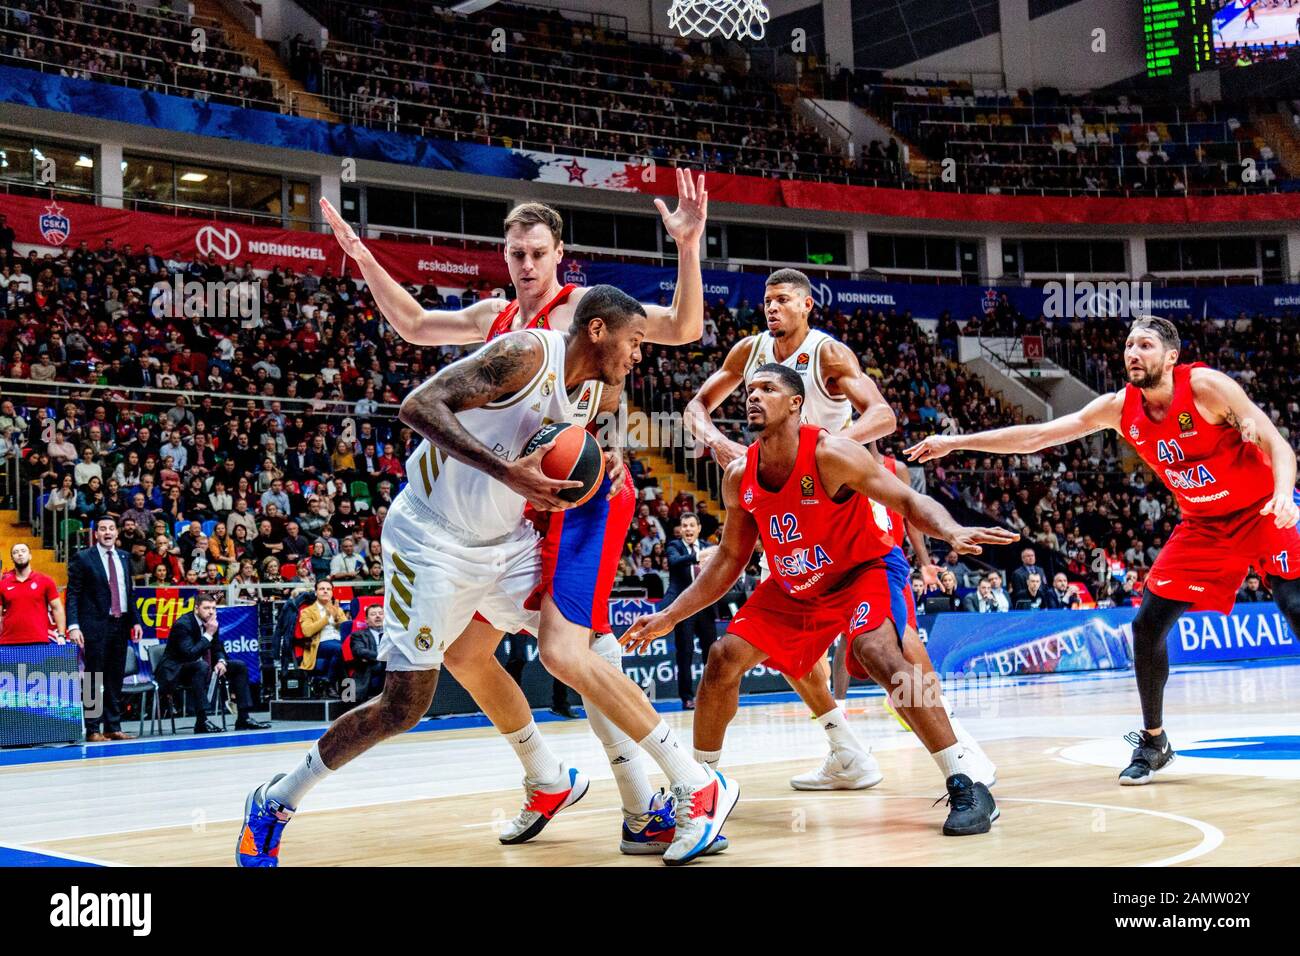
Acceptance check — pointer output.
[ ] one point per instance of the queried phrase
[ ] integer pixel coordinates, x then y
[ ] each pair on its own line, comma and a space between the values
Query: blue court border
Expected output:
185, 743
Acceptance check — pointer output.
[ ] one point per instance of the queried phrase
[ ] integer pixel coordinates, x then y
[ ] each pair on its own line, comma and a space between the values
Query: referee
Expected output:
28, 599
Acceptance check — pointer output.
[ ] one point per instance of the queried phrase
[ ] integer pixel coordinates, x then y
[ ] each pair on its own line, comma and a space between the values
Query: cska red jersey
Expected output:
810, 541
1210, 470
506, 317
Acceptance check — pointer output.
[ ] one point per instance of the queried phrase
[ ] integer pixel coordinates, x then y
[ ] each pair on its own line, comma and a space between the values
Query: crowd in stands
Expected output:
117, 42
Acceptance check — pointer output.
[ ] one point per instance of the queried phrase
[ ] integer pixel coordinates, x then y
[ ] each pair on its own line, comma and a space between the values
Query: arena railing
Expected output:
118, 31
45, 66
346, 108
773, 106
182, 16
577, 95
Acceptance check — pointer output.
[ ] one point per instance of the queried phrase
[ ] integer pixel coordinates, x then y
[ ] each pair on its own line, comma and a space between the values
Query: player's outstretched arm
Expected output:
412, 321
498, 370
717, 575
876, 418
683, 321
843, 463
1223, 398
699, 410
1102, 412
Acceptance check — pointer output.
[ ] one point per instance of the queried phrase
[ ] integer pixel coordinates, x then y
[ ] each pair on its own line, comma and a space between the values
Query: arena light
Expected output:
193, 177
471, 6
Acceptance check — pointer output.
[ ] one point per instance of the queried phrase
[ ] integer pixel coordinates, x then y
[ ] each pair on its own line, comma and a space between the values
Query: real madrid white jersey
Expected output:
833, 413
472, 501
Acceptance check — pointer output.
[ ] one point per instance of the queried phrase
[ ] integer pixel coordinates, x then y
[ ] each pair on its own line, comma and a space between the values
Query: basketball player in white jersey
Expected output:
534, 251
456, 542
835, 387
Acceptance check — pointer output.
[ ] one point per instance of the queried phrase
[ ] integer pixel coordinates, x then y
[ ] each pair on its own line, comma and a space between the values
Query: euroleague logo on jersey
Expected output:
807, 489
1185, 421
801, 363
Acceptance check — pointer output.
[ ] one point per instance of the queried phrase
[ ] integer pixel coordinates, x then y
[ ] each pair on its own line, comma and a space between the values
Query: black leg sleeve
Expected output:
1151, 627
1286, 595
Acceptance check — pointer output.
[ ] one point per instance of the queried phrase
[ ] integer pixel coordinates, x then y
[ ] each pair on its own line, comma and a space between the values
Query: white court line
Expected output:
1211, 836
58, 854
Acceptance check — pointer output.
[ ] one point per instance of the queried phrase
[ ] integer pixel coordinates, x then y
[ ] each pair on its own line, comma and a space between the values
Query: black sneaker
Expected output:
973, 810
1150, 755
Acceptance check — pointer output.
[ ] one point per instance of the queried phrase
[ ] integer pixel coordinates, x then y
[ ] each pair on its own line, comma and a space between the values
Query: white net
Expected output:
733, 19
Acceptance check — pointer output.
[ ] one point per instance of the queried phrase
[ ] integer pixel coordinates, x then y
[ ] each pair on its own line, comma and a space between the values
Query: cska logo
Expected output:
749, 496
1133, 432
806, 486
1185, 421
55, 226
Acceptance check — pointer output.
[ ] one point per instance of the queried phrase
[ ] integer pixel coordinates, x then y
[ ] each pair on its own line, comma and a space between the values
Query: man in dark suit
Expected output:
101, 619
684, 556
366, 668
193, 653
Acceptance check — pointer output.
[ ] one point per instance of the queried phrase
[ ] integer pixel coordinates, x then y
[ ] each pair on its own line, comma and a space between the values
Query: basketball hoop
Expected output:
733, 19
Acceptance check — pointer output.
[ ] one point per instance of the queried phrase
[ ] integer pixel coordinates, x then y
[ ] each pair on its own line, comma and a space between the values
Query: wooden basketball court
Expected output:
434, 797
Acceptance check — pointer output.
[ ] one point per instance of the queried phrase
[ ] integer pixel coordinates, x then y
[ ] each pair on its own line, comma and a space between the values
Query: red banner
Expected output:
43, 222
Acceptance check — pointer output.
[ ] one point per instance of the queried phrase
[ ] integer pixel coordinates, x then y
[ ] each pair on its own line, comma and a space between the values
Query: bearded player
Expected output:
1233, 475
834, 388
581, 547
811, 497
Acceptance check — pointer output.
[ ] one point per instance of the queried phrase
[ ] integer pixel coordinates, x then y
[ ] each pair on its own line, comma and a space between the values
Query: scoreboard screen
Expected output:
1183, 36
1178, 35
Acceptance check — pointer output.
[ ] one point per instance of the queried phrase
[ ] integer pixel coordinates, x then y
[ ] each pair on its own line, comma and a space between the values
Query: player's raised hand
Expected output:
349, 241
645, 629
726, 451
525, 476
1284, 510
686, 223
928, 449
968, 540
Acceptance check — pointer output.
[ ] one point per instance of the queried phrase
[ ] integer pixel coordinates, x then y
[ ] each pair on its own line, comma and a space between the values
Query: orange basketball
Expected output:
575, 457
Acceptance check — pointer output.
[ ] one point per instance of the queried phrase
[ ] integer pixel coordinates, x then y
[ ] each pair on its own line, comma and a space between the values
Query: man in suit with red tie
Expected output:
684, 558
101, 619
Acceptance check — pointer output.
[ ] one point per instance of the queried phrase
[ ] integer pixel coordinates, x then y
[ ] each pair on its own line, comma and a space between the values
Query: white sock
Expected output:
293, 786
665, 750
624, 755
540, 764
710, 757
839, 732
946, 706
950, 760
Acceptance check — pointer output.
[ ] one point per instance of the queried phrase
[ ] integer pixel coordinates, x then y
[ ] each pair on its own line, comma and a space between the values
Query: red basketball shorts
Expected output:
795, 633
1206, 559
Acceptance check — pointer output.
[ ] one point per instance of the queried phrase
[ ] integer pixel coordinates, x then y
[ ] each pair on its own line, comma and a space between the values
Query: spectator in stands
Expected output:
276, 495
241, 518
221, 550
323, 618
321, 561
953, 562
1253, 590
981, 600
368, 672
294, 547
1033, 597
1028, 566
1063, 595
996, 591
347, 564
945, 599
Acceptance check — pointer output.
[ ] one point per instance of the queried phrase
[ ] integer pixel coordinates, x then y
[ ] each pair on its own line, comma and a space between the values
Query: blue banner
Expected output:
1047, 642
1067, 301
161, 608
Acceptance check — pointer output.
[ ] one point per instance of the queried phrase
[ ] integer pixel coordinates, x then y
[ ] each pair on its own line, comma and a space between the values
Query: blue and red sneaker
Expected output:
544, 801
264, 822
652, 832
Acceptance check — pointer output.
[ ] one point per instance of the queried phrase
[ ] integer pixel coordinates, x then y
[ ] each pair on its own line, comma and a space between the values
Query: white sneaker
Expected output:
842, 770
542, 801
701, 812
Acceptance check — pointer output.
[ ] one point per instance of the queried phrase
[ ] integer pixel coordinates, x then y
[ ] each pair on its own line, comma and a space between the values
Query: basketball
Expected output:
575, 457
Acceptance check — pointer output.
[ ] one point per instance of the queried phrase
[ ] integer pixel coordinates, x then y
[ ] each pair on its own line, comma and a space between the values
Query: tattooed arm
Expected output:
1219, 398
498, 370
